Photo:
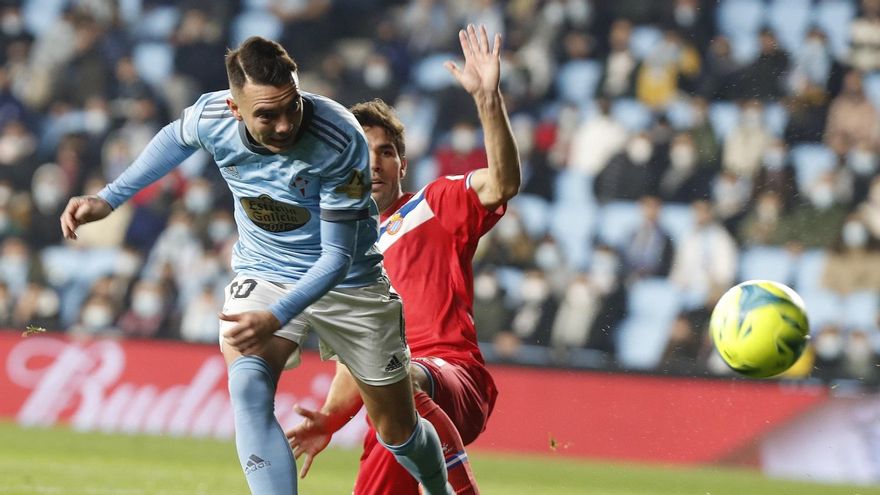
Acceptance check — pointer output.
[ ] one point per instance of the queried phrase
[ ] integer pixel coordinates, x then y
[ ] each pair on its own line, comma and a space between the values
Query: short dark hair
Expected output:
261, 61
377, 113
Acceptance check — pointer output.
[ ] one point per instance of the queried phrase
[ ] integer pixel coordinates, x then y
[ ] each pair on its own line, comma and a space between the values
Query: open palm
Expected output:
482, 65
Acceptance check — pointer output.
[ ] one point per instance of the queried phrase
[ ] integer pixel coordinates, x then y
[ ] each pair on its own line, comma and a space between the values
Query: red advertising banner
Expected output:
180, 389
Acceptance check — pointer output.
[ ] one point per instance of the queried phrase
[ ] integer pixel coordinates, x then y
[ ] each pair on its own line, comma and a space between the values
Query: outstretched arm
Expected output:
481, 77
312, 435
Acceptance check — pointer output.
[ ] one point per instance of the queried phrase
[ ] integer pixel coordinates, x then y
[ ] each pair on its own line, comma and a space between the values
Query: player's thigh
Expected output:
459, 391
380, 473
363, 328
246, 293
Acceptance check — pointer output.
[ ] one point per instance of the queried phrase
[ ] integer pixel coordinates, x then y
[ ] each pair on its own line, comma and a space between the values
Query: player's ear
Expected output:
233, 108
403, 166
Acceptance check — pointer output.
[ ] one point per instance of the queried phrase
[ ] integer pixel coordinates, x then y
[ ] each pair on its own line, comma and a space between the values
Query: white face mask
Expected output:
682, 157
751, 119
774, 159
508, 228
603, 271
198, 200
127, 264
47, 196
862, 162
376, 75
48, 304
822, 197
767, 212
829, 346
463, 140
534, 290
97, 316
220, 230
855, 235
639, 151
485, 287
146, 304
547, 257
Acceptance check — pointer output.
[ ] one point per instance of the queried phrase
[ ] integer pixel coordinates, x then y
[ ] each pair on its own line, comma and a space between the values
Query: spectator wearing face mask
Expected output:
626, 177
39, 305
648, 253
852, 119
816, 222
860, 360
869, 209
760, 227
854, 262
97, 318
812, 62
533, 317
147, 312
684, 181
596, 140
862, 162
673, 64
777, 174
492, 316
199, 321
746, 143
730, 199
764, 78
829, 344
508, 244
463, 153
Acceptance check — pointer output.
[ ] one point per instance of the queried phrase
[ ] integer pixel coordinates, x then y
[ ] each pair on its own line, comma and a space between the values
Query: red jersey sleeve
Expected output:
458, 209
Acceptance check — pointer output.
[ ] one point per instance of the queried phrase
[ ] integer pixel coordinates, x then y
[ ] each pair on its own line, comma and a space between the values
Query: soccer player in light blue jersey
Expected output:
298, 167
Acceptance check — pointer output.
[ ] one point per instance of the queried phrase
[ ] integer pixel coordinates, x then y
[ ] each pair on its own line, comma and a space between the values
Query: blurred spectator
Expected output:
627, 175
198, 50
720, 70
864, 53
49, 192
761, 224
746, 143
17, 265
777, 174
807, 113
671, 64
96, 318
596, 140
704, 139
860, 360
861, 162
574, 320
816, 222
539, 175
649, 250
764, 79
463, 153
829, 344
691, 18
39, 305
550, 259
683, 181
618, 75
199, 323
109, 233
532, 319
705, 259
852, 119
87, 73
730, 198
812, 63
854, 262
304, 29
507, 244
146, 316
493, 317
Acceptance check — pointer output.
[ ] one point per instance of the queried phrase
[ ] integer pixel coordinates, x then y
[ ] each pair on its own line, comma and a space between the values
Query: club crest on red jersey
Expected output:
394, 224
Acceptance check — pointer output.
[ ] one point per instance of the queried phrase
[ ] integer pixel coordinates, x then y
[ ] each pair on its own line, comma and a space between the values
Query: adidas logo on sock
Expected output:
255, 463
393, 365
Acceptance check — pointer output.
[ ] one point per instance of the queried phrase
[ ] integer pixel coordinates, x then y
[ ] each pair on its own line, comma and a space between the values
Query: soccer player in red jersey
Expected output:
428, 239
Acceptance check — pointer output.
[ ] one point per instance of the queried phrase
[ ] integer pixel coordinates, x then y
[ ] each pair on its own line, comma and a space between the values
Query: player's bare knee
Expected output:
394, 431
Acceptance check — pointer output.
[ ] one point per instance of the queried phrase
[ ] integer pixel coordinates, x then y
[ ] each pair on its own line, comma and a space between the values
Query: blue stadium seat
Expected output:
810, 269
154, 61
510, 279
573, 227
631, 114
617, 221
766, 263
535, 213
643, 40
652, 306
576, 81
429, 73
860, 310
737, 17
130, 11
40, 15
872, 88
156, 24
680, 114
823, 308
255, 23
677, 220
745, 47
789, 20
810, 161
834, 17
574, 188
723, 115
775, 118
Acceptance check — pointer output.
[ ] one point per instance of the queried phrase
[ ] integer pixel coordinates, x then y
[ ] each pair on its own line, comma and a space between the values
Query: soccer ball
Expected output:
760, 328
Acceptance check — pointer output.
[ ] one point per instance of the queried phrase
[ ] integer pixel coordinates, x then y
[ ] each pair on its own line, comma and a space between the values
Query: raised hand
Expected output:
81, 210
251, 332
309, 437
482, 64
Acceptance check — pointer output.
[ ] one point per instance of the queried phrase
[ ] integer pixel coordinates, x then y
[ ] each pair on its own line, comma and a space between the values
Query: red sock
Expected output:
459, 469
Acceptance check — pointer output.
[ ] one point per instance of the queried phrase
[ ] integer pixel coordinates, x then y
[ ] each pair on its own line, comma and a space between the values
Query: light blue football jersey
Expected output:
280, 198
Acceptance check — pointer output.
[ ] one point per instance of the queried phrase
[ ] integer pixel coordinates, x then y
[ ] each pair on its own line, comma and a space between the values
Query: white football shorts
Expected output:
362, 327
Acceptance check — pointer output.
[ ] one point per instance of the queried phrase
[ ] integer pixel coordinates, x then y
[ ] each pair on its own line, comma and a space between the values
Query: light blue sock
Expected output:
263, 451
422, 456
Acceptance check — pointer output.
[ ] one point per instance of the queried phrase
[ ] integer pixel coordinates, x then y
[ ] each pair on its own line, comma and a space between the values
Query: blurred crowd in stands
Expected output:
671, 149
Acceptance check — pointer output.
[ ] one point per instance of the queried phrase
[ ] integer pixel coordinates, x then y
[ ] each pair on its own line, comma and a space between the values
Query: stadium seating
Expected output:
790, 20
617, 221
834, 18
653, 305
766, 263
631, 114
576, 81
723, 115
811, 161
643, 40
740, 17
154, 62
255, 23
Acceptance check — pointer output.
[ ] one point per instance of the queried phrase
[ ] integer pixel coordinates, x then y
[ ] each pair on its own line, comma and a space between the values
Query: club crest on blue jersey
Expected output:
356, 187
305, 186
272, 215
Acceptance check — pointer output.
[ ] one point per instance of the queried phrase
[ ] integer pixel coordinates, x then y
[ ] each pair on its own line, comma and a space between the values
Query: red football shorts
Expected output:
466, 393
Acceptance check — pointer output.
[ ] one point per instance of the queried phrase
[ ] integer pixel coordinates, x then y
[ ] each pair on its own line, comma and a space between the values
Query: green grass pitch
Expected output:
59, 461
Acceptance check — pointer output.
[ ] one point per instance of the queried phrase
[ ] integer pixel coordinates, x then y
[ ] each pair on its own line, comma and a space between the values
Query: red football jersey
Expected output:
428, 239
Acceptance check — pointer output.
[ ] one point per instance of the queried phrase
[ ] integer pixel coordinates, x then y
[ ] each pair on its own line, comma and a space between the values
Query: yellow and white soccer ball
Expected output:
760, 328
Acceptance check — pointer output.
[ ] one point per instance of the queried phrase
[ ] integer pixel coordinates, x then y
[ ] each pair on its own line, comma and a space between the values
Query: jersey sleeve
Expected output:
345, 184
458, 208
189, 122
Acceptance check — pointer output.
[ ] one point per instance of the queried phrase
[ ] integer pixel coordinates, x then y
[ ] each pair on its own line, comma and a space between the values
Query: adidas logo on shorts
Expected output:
393, 365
